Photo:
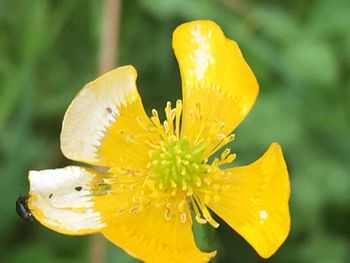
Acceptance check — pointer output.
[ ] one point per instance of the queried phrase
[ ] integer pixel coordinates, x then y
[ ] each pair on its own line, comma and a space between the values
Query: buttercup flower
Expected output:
157, 172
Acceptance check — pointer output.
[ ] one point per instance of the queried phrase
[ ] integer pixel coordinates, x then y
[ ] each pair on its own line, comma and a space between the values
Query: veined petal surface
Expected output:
218, 86
62, 199
151, 238
253, 200
75, 200
106, 124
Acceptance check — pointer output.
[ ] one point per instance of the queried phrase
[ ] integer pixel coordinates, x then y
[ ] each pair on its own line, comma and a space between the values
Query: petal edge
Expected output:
61, 199
218, 86
151, 238
256, 204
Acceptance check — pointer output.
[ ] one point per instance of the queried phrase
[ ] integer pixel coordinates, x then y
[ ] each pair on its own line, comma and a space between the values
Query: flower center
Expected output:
178, 165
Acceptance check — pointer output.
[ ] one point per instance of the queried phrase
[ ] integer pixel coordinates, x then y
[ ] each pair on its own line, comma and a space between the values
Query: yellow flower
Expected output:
157, 172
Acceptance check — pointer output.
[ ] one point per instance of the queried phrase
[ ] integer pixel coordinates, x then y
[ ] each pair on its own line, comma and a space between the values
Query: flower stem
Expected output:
107, 61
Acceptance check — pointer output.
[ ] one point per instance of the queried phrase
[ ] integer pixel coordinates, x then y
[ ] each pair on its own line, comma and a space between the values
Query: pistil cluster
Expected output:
178, 165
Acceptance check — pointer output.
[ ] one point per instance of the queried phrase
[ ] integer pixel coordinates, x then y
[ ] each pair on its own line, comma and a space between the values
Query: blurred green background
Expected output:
299, 51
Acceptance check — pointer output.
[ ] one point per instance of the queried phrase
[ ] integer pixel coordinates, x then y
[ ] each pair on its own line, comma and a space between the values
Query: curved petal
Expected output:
106, 123
253, 200
62, 200
218, 86
151, 238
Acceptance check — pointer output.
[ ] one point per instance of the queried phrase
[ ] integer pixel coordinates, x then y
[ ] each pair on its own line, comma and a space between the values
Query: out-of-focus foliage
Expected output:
298, 49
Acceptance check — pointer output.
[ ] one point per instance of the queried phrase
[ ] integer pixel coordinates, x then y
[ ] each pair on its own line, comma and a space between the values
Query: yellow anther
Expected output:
177, 117
155, 113
231, 158
198, 182
200, 220
225, 153
183, 217
168, 214
173, 184
207, 180
189, 191
136, 199
181, 206
166, 126
220, 136
205, 212
184, 185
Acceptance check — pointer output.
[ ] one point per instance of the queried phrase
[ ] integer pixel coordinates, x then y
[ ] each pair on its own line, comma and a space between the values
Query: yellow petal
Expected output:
151, 238
106, 123
62, 200
218, 86
254, 201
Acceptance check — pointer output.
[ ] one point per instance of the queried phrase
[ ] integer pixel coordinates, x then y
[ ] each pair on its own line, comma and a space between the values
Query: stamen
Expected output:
199, 182
206, 214
152, 145
225, 153
225, 158
177, 118
197, 213
157, 126
200, 220
181, 206
168, 214
166, 127
223, 141
183, 217
142, 124
189, 191
170, 115
199, 118
229, 159
155, 118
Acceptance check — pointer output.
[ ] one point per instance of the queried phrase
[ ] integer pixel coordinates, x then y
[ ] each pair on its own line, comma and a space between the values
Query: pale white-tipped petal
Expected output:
62, 199
99, 105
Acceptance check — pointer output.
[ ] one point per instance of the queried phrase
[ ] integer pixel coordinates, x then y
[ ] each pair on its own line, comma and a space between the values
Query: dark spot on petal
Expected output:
109, 110
50, 195
78, 188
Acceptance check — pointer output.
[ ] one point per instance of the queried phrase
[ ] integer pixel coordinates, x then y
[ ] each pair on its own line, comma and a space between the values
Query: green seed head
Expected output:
178, 165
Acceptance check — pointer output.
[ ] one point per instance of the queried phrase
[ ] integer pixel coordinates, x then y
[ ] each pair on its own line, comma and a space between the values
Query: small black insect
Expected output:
78, 188
22, 209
